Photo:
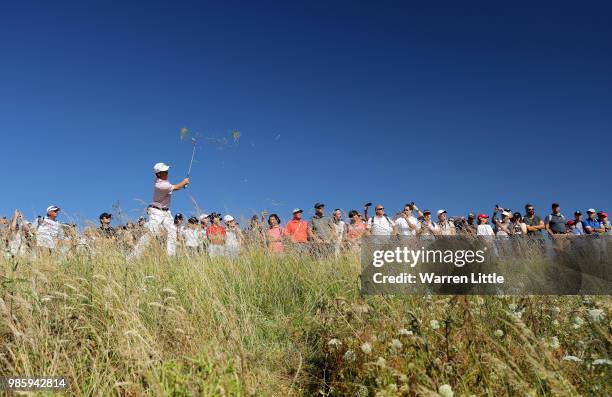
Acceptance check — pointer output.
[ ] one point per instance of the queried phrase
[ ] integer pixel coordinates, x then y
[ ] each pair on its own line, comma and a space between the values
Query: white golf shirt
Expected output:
407, 227
48, 233
380, 225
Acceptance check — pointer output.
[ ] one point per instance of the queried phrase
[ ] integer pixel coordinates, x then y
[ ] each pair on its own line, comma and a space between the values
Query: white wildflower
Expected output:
499, 333
602, 361
405, 332
366, 348
445, 391
349, 355
578, 322
555, 323
556, 310
396, 344
596, 315
572, 358
512, 306
381, 362
335, 342
434, 324
554, 343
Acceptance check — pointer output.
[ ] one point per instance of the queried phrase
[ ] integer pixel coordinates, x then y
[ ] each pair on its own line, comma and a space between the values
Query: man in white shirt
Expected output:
407, 224
160, 217
50, 232
380, 224
444, 227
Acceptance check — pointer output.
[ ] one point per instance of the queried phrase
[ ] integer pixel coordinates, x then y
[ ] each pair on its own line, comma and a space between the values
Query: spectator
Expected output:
533, 222
380, 224
426, 226
578, 223
192, 236
592, 225
254, 234
233, 236
572, 229
18, 235
444, 227
518, 227
407, 224
356, 228
216, 235
105, 228
50, 232
484, 229
297, 230
603, 218
339, 230
321, 227
275, 234
503, 227
555, 222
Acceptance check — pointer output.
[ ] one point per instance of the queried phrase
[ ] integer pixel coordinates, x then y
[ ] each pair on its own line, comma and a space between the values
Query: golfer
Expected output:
159, 211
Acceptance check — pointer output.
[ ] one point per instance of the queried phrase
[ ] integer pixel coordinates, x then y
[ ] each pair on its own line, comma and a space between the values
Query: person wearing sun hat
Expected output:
444, 227
50, 233
603, 218
160, 217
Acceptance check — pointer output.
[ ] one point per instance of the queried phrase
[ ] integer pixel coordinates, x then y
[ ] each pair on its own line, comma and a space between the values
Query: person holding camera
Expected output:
407, 224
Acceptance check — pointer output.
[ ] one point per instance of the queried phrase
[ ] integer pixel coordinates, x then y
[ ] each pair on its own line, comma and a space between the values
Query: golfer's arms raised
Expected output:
181, 184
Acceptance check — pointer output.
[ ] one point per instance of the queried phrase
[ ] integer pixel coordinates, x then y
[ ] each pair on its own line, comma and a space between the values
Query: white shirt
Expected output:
48, 233
192, 237
407, 227
485, 230
380, 225
340, 227
445, 229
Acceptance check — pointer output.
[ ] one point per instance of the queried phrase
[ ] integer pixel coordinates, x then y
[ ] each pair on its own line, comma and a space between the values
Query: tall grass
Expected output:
271, 326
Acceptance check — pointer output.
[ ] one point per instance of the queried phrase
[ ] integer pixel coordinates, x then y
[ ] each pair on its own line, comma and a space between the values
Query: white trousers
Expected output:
158, 221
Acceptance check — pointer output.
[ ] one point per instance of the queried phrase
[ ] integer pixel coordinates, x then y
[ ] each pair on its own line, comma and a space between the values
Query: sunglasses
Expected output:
381, 208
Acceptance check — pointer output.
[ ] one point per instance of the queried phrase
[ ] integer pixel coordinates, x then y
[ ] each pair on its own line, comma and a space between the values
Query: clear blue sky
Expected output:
452, 105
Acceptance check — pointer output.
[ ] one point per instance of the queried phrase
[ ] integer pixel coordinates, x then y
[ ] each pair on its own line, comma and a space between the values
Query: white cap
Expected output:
295, 211
203, 216
506, 213
228, 218
160, 167
441, 212
592, 210
52, 208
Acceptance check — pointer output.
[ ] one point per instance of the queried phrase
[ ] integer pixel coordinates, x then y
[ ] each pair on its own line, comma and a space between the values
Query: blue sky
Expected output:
452, 105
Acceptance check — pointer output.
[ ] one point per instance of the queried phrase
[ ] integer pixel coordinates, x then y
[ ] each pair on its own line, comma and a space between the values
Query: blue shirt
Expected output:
594, 223
577, 231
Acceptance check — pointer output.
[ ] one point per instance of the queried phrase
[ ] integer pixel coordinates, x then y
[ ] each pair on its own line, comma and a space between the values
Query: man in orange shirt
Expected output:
297, 230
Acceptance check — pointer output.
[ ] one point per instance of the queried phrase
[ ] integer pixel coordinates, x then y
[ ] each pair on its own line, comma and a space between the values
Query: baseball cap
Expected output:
319, 205
105, 215
426, 212
178, 216
53, 208
591, 211
603, 214
577, 213
160, 167
295, 211
203, 216
471, 215
482, 216
441, 212
571, 222
228, 218
507, 213
192, 220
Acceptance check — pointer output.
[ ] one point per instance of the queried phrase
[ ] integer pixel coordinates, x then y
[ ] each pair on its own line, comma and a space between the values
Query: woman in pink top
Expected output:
355, 230
275, 234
